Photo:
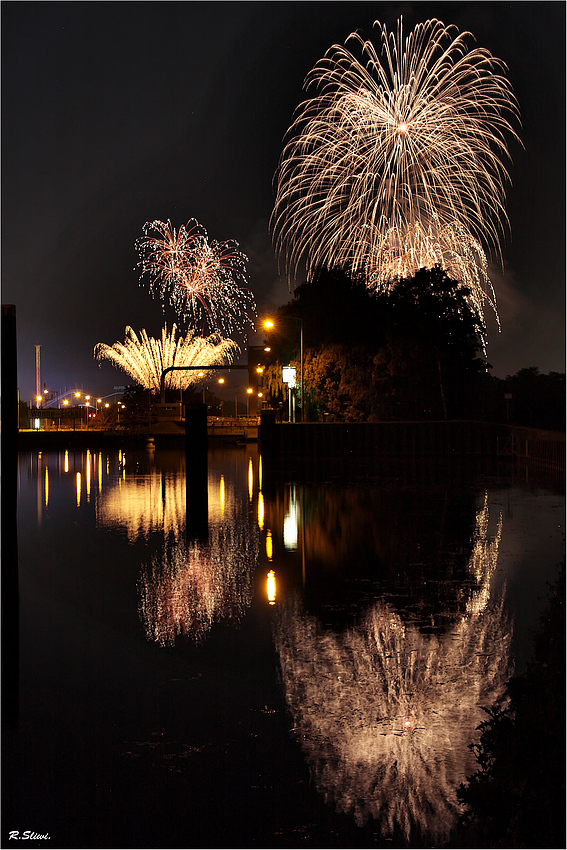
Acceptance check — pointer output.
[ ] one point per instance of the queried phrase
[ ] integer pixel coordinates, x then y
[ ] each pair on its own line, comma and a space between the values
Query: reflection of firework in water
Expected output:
202, 279
189, 586
143, 505
408, 143
386, 713
144, 358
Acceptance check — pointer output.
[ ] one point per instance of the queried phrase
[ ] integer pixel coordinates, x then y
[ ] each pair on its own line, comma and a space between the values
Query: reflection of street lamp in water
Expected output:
271, 587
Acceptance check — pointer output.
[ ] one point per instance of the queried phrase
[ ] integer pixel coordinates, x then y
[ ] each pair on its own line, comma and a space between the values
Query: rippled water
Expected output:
307, 668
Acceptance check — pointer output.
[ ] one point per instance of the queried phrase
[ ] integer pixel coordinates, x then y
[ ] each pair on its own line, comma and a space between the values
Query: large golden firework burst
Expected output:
397, 160
144, 358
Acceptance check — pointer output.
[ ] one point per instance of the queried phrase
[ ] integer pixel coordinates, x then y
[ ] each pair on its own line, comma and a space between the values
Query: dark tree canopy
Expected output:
412, 353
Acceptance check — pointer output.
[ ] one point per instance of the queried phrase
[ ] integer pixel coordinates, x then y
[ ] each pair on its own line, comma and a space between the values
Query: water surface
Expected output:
305, 668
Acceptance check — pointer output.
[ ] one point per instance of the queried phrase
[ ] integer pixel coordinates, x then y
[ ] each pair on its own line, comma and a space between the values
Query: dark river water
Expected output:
307, 668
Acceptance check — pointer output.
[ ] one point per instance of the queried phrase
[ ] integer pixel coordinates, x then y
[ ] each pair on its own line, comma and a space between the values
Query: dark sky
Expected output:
119, 113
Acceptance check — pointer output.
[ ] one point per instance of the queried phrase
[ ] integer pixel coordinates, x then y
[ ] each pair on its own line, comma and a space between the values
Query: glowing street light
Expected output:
269, 324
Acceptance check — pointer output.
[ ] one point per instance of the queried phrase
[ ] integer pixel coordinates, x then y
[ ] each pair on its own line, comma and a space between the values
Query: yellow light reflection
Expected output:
222, 493
271, 587
291, 523
88, 475
144, 505
66, 466
46, 487
78, 489
260, 472
269, 545
250, 479
260, 511
99, 471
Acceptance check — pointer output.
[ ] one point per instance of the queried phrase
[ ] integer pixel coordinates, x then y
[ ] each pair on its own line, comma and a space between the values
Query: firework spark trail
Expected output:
186, 586
395, 152
144, 358
203, 280
386, 713
391, 257
189, 586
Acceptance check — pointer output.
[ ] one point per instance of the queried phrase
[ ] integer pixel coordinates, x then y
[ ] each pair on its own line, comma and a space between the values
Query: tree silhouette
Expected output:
410, 354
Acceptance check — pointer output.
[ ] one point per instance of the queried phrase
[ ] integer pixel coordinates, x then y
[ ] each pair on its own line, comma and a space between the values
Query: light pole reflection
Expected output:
271, 587
385, 713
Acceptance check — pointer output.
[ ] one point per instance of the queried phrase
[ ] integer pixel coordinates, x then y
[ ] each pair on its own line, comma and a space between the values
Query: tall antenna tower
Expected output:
37, 370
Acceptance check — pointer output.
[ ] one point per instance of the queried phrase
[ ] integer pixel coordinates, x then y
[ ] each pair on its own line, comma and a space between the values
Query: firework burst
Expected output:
398, 159
144, 358
203, 280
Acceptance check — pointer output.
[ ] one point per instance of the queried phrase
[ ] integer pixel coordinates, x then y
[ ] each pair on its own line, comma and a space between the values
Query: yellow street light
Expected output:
269, 324
221, 380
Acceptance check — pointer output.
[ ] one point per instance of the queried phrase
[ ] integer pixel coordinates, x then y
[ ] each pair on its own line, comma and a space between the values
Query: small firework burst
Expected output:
204, 281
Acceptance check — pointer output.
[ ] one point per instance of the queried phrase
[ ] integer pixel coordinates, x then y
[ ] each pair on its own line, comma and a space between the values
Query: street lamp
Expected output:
269, 324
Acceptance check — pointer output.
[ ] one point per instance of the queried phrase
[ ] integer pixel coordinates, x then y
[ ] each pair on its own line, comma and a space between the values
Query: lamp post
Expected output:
269, 324
249, 392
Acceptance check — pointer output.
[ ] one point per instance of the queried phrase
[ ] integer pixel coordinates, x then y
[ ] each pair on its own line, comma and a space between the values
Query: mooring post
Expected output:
196, 471
10, 580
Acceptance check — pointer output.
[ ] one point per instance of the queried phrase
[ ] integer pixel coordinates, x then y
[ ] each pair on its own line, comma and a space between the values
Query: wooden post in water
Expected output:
196, 471
10, 581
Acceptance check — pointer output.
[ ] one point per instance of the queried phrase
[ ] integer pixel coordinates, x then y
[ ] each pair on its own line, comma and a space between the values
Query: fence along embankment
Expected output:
546, 449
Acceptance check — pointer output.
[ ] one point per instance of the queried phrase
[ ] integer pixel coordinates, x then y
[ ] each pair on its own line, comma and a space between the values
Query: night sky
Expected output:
119, 113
